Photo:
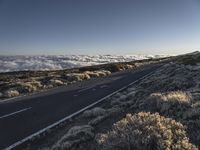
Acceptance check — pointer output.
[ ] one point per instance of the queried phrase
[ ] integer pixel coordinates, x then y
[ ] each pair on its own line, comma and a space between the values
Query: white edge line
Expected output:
74, 114
16, 112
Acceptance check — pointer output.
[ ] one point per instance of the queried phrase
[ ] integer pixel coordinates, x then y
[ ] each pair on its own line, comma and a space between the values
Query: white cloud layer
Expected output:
56, 62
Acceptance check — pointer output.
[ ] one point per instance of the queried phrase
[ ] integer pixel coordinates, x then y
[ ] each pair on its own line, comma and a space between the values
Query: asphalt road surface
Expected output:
24, 116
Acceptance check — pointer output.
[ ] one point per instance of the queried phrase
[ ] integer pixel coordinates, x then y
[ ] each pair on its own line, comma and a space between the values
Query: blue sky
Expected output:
99, 26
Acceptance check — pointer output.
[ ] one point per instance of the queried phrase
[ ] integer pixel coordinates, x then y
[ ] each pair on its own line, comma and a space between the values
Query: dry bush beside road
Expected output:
144, 131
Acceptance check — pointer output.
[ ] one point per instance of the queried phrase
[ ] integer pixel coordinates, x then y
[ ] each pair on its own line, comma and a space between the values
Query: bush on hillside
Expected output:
145, 131
173, 103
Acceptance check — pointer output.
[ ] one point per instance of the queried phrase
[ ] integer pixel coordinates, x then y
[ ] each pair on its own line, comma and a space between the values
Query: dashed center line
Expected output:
84, 89
16, 112
103, 86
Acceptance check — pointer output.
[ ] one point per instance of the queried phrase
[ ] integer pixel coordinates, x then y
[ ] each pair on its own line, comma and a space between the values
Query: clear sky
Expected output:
99, 26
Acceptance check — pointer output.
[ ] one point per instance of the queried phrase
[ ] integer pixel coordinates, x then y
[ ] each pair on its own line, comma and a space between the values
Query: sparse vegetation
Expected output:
190, 60
56, 82
169, 104
74, 136
27, 87
95, 112
145, 131
11, 93
26, 82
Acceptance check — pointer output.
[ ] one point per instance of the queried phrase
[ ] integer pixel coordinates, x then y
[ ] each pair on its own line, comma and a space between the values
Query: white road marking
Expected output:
74, 114
16, 112
103, 86
117, 78
84, 89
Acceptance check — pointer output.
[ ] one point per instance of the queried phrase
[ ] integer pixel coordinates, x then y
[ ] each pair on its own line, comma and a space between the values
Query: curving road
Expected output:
23, 116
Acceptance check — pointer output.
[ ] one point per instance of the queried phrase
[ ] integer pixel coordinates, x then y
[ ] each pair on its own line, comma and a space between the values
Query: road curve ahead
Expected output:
24, 116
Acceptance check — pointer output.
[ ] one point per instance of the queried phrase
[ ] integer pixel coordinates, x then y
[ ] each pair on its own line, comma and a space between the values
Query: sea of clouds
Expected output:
57, 62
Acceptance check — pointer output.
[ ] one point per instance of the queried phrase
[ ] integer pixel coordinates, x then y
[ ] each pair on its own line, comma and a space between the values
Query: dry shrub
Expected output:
92, 74
99, 73
36, 84
11, 93
114, 67
30, 86
83, 76
106, 114
74, 136
122, 102
77, 76
170, 104
27, 87
56, 82
106, 72
95, 112
127, 66
138, 64
145, 131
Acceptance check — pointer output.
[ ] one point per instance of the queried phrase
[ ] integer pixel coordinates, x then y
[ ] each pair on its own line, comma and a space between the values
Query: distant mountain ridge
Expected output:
57, 62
